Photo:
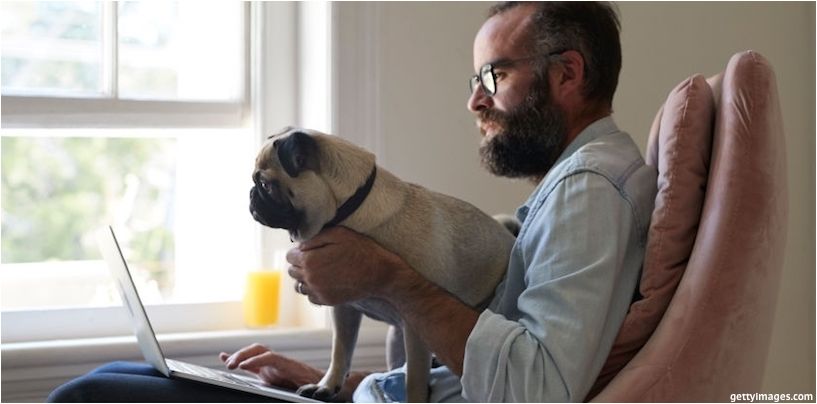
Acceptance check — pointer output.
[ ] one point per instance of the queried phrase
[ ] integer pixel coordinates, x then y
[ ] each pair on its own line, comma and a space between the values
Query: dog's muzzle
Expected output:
271, 213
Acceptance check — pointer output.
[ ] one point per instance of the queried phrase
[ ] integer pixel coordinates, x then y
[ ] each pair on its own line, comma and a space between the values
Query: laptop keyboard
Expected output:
202, 371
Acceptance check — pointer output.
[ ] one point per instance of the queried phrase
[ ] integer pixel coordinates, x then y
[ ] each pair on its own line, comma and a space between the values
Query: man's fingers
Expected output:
332, 235
295, 256
254, 363
243, 354
314, 243
295, 273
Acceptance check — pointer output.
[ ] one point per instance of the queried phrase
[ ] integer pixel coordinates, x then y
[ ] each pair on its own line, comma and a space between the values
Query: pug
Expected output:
306, 181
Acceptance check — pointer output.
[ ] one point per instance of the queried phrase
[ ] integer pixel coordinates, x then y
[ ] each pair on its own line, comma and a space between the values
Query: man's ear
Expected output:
569, 78
297, 152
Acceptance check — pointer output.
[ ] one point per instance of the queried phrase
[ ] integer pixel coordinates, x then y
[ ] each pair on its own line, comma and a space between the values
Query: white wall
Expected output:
419, 62
419, 59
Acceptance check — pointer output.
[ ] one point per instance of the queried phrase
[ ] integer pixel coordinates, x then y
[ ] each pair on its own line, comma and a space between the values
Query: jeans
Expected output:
125, 382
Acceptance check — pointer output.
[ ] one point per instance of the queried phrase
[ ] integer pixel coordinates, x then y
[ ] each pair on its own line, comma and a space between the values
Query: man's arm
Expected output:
570, 281
339, 265
442, 321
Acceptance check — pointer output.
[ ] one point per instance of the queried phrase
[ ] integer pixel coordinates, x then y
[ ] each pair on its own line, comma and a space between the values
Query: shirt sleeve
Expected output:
574, 299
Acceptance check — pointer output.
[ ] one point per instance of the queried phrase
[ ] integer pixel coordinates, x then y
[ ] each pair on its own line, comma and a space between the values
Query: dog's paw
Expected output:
319, 392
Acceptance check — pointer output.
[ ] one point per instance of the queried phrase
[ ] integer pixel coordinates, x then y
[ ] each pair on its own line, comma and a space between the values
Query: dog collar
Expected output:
354, 201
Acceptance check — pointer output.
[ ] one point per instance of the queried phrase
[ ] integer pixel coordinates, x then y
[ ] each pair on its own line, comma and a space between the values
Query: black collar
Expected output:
354, 201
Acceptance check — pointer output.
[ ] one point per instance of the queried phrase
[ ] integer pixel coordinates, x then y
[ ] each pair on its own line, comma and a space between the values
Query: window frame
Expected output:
44, 112
270, 32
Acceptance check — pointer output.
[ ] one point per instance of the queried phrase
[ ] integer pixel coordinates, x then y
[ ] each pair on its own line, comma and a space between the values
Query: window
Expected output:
177, 199
52, 47
139, 115
131, 49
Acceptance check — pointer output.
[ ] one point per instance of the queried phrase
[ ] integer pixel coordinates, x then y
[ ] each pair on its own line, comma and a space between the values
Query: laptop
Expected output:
150, 346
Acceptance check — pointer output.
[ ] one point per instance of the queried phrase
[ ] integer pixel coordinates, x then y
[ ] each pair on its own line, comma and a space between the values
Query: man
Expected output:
542, 96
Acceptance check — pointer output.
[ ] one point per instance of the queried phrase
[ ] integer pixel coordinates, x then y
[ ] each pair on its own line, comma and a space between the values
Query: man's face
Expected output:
523, 131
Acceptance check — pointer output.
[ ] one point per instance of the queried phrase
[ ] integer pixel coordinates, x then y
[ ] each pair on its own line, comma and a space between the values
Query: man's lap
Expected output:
140, 382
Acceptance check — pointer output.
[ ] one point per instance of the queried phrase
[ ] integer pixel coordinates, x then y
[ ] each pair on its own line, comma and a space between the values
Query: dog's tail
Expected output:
510, 223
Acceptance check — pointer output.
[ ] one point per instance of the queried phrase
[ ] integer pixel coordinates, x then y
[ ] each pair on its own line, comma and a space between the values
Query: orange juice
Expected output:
261, 298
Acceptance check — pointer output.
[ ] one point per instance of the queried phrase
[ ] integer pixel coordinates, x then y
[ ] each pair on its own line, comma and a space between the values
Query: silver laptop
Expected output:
150, 346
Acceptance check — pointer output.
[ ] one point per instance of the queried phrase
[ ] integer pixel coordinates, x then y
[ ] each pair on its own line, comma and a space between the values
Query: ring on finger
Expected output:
299, 287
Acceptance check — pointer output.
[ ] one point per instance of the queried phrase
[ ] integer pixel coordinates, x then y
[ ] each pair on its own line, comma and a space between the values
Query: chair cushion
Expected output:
679, 146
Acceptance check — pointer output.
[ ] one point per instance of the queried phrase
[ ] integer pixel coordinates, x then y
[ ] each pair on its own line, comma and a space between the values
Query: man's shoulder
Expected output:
614, 156
603, 151
612, 161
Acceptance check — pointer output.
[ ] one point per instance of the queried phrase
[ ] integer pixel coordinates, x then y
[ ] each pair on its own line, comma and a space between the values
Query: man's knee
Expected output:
79, 390
127, 368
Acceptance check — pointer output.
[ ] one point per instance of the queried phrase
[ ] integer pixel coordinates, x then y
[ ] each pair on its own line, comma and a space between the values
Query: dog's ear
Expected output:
297, 152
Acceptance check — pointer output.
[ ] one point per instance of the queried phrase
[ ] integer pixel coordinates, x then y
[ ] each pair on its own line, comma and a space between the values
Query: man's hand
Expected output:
339, 265
278, 370
272, 368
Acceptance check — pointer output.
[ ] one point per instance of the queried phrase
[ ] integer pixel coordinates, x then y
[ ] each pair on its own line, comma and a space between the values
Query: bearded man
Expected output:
542, 92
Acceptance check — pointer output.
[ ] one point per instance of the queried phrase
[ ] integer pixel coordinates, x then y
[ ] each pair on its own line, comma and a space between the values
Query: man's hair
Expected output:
590, 28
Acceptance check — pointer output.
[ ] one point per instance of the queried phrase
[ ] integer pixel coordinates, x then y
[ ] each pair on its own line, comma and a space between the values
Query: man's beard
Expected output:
530, 137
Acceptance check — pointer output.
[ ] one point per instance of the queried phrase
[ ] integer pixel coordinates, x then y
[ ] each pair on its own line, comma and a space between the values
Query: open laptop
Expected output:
150, 346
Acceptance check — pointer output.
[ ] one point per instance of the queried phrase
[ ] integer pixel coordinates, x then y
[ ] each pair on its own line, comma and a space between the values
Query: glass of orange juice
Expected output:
261, 298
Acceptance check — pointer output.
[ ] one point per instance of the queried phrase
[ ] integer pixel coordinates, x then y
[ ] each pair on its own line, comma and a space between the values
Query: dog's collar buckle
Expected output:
354, 201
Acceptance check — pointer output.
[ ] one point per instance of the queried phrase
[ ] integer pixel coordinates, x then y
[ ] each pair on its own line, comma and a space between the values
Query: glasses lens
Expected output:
487, 76
473, 83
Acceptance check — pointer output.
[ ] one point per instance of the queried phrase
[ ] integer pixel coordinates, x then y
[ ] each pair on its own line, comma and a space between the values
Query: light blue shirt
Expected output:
571, 278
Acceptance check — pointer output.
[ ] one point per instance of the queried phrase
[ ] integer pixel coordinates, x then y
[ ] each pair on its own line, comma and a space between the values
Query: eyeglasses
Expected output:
487, 78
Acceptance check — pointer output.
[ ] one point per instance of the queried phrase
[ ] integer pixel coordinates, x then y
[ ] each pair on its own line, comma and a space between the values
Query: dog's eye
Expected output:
266, 185
272, 187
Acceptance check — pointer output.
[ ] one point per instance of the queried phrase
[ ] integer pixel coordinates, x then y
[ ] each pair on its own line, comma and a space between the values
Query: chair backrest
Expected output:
716, 242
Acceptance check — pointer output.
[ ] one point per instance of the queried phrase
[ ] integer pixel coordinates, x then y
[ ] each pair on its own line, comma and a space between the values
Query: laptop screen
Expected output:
145, 336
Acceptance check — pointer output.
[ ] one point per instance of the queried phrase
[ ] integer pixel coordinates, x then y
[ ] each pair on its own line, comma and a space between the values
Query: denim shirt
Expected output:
571, 278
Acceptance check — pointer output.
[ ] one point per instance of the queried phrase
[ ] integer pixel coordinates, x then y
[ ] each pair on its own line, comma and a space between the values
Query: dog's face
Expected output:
289, 191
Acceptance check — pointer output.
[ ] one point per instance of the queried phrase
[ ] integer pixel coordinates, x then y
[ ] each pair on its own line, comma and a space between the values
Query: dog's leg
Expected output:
344, 337
395, 348
418, 366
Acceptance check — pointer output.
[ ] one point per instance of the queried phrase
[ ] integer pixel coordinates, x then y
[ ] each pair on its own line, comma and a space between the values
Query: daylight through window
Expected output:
175, 189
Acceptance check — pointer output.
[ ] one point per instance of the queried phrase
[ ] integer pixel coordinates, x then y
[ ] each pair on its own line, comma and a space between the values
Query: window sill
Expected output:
32, 369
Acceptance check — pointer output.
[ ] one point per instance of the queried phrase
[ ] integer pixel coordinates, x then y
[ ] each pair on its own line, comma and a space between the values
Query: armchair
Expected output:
716, 243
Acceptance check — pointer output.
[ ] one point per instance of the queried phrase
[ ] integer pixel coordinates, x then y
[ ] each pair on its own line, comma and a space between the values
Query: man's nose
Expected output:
479, 100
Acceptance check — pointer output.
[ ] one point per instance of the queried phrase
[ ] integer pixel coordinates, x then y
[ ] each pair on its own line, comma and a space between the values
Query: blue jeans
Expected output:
139, 382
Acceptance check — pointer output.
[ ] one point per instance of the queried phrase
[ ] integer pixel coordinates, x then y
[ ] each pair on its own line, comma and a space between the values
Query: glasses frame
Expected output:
486, 78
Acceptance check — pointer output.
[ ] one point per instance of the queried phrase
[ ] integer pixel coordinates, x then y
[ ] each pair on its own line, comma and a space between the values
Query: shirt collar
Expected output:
595, 130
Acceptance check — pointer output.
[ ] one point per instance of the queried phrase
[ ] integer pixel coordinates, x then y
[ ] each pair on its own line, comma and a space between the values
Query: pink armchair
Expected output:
716, 243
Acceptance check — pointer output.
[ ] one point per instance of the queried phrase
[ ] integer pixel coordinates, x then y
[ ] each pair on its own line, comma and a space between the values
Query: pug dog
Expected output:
306, 181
